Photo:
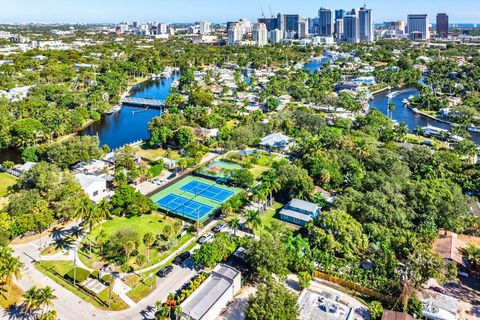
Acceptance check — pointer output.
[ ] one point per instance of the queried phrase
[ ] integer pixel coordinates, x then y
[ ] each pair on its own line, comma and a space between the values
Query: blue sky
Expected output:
218, 10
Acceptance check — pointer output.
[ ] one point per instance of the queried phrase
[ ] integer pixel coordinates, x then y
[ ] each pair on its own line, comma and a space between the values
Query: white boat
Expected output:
411, 97
392, 95
113, 110
415, 110
395, 123
167, 73
473, 129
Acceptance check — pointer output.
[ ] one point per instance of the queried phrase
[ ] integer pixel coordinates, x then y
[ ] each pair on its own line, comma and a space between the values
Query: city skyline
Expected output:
109, 11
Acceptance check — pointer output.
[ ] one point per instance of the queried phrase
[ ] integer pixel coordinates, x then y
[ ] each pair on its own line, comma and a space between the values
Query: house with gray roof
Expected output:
299, 212
208, 301
275, 141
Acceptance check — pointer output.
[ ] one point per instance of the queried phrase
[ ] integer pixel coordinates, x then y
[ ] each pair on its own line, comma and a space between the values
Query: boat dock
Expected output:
142, 102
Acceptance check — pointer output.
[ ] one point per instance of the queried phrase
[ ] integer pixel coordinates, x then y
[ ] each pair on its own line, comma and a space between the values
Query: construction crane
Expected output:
271, 13
263, 13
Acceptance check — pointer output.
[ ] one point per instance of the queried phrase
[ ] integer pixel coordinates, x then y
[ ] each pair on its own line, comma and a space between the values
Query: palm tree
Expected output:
227, 208
30, 300
104, 208
158, 305
45, 297
472, 255
391, 108
177, 311
253, 219
49, 315
87, 211
234, 224
129, 247
148, 240
10, 268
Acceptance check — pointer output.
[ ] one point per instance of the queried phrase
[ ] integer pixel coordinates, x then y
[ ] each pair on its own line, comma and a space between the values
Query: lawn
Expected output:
56, 271
151, 154
258, 171
271, 215
154, 223
6, 181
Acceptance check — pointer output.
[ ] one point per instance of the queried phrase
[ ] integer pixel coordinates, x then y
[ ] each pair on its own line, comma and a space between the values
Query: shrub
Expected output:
80, 275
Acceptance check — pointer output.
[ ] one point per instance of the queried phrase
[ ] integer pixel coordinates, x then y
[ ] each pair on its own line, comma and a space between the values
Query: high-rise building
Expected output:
325, 22
281, 22
260, 34
275, 36
365, 25
204, 27
303, 28
351, 27
271, 23
339, 14
162, 28
235, 33
442, 25
338, 29
291, 25
418, 26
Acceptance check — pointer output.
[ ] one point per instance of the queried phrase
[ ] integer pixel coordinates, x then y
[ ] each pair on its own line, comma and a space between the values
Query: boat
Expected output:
113, 110
395, 123
167, 73
415, 110
473, 129
392, 95
411, 97
406, 102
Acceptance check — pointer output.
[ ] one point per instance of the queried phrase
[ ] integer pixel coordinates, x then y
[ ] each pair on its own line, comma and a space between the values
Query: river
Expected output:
130, 123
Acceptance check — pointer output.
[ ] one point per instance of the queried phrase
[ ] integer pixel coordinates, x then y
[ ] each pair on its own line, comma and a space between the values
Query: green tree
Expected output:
271, 302
268, 256
376, 310
148, 240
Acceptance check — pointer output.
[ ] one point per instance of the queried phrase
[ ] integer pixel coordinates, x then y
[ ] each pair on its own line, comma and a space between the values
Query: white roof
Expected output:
86, 180
303, 205
296, 215
26, 166
198, 304
275, 139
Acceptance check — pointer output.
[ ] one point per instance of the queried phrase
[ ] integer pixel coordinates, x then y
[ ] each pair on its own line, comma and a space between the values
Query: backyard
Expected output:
6, 180
152, 154
256, 161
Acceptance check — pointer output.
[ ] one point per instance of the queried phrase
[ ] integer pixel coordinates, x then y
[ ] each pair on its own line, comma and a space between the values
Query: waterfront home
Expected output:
299, 212
347, 85
208, 301
365, 81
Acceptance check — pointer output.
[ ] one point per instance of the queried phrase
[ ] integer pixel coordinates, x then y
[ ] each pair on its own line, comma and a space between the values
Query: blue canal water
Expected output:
130, 123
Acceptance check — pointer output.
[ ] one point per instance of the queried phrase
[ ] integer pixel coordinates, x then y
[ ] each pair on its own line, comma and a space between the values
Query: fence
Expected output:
355, 287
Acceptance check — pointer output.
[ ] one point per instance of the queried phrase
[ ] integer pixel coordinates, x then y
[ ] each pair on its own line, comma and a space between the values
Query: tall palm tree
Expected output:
234, 224
30, 300
104, 208
9, 268
391, 108
45, 297
253, 219
87, 211
148, 240
49, 315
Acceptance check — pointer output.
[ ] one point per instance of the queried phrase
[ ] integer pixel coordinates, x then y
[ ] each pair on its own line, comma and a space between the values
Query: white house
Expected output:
275, 141
94, 186
208, 301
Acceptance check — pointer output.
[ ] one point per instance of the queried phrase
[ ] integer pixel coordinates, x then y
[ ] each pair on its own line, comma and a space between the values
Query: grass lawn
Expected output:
271, 215
51, 250
11, 298
151, 154
258, 171
153, 223
175, 189
6, 181
57, 269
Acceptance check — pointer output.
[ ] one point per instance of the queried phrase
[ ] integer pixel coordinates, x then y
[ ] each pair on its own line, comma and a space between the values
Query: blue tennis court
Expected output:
212, 192
185, 207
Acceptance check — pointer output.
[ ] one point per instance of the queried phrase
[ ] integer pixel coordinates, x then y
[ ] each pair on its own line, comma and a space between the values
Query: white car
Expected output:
206, 238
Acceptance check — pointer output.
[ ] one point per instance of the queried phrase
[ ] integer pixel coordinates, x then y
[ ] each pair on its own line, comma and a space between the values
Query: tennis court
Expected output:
209, 191
193, 198
188, 208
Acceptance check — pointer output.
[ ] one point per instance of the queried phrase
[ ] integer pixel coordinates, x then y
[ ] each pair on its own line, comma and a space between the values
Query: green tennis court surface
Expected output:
194, 198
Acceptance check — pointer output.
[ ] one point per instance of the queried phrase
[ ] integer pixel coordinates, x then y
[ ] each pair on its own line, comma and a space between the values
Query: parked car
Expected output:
205, 238
179, 260
165, 271
220, 227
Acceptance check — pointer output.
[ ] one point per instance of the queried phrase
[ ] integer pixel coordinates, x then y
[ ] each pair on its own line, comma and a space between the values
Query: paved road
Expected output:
70, 306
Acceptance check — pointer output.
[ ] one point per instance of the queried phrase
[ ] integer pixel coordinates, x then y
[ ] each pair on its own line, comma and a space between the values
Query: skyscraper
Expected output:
442, 25
260, 34
418, 26
339, 29
235, 33
339, 14
303, 28
271, 23
351, 26
204, 27
291, 25
326, 22
365, 25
